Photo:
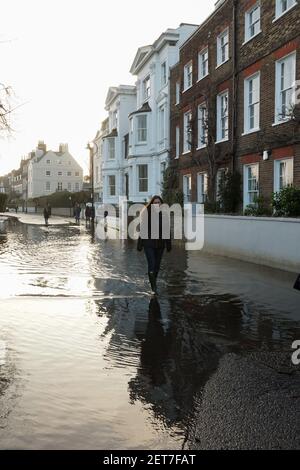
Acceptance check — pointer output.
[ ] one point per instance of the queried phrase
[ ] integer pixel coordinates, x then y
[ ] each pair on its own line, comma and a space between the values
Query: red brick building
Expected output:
232, 100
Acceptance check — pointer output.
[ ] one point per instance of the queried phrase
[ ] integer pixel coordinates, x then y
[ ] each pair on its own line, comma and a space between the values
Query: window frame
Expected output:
187, 196
202, 138
224, 33
279, 90
139, 130
248, 105
279, 14
188, 76
187, 147
277, 176
246, 189
142, 179
248, 25
201, 62
109, 185
203, 177
146, 90
219, 128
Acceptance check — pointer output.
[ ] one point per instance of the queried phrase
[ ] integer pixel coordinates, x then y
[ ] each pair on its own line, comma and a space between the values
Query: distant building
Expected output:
98, 160
50, 171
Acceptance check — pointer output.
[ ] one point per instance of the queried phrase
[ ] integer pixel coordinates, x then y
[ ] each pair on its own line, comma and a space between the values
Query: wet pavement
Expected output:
90, 360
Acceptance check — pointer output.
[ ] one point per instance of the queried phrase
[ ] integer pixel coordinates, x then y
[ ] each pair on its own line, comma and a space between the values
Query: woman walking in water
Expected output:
153, 239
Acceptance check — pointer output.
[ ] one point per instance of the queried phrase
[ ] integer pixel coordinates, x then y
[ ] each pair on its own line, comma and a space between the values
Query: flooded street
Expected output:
90, 361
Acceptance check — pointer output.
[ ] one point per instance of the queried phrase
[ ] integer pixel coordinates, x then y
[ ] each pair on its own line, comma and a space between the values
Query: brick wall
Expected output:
277, 39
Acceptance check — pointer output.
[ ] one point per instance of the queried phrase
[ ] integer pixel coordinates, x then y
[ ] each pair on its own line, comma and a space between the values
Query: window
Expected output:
188, 75
76, 186
187, 188
187, 132
161, 123
126, 146
111, 148
69, 173
48, 173
59, 173
202, 187
202, 126
222, 117
115, 120
177, 92
48, 186
143, 178
223, 48
76, 173
203, 64
282, 6
112, 185
283, 173
252, 103
59, 186
177, 150
285, 87
163, 74
48, 162
146, 88
69, 187
142, 128
250, 184
252, 22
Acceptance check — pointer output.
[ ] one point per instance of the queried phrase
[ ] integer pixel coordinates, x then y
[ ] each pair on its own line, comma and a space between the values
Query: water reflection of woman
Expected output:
154, 349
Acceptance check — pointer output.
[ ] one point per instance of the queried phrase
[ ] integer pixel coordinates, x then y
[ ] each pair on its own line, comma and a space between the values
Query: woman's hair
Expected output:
148, 206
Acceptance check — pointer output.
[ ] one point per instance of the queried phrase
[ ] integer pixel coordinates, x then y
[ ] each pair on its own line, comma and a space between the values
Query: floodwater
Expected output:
89, 361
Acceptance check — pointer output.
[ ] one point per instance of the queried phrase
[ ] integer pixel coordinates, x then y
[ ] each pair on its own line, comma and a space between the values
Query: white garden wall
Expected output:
269, 241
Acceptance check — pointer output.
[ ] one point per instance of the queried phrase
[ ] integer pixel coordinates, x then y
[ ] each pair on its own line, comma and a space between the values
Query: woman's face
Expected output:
157, 202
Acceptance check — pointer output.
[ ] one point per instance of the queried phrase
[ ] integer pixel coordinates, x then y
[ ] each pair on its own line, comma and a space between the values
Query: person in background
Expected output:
87, 214
77, 211
46, 215
154, 247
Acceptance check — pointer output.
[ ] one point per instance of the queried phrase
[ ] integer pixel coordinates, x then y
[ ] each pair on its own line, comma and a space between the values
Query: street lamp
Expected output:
90, 147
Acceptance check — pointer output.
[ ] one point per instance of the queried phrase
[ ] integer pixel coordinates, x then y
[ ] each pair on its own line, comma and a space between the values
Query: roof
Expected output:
144, 109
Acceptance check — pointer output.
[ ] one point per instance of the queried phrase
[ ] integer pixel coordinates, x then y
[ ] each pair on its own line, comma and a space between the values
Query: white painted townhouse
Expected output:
149, 140
50, 171
98, 160
120, 102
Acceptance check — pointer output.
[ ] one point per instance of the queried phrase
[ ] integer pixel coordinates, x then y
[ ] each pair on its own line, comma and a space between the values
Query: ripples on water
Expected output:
92, 362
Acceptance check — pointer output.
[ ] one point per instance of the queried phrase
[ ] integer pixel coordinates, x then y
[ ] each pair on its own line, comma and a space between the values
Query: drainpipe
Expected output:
234, 84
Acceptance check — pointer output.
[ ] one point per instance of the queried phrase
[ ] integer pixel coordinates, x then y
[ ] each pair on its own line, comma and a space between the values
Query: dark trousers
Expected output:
154, 256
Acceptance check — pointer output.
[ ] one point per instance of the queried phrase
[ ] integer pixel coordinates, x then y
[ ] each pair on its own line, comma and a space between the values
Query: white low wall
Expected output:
269, 241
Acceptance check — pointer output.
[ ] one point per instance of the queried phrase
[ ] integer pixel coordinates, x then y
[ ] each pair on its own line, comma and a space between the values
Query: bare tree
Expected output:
207, 121
6, 108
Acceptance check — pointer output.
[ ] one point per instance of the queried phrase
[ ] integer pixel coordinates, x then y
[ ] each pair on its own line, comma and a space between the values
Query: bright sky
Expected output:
60, 57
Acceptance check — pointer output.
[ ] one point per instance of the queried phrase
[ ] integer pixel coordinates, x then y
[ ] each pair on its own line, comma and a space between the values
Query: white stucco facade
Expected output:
50, 171
149, 140
120, 102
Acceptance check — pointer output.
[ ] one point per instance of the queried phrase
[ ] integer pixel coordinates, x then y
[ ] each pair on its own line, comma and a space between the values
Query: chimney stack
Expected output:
63, 148
42, 146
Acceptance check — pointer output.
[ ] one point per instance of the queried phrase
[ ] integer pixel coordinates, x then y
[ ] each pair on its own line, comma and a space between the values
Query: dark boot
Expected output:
152, 280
